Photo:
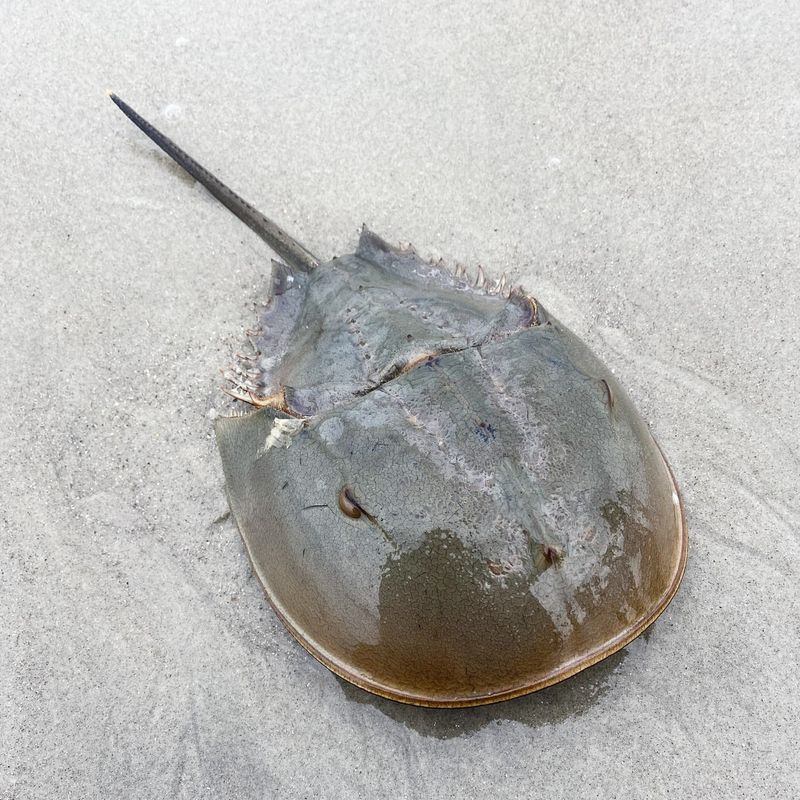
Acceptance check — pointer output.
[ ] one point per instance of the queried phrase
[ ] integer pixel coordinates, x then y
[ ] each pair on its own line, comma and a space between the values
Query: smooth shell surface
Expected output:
451, 501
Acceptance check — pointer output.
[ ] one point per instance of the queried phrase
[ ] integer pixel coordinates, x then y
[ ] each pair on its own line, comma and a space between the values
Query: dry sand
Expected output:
638, 169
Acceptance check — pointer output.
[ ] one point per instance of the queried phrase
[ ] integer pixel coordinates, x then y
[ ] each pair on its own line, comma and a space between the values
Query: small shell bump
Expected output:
347, 505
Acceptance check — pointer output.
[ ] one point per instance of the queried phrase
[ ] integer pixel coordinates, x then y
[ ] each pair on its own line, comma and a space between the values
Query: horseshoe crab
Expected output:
448, 499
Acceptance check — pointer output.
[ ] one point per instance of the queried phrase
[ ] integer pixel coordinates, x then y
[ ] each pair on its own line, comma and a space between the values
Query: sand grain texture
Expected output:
636, 168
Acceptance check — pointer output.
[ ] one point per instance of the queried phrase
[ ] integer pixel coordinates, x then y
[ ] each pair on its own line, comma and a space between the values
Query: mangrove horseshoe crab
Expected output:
447, 498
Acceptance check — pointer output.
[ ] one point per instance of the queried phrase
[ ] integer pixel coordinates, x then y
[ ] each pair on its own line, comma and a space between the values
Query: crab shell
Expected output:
447, 498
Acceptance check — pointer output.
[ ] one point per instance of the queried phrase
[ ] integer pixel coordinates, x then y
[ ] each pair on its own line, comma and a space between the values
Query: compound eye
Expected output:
347, 504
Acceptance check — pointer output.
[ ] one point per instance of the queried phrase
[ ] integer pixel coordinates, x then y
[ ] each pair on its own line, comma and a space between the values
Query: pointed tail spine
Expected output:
284, 245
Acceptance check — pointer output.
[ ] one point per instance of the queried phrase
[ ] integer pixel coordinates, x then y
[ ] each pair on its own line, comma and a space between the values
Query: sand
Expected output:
636, 169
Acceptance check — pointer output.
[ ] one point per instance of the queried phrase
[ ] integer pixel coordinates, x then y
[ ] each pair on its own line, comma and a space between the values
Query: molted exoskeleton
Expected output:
448, 499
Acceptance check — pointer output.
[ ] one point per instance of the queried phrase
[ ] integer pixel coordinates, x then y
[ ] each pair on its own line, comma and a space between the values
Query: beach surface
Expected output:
637, 169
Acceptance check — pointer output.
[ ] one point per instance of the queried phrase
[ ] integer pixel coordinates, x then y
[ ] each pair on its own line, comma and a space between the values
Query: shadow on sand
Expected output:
569, 698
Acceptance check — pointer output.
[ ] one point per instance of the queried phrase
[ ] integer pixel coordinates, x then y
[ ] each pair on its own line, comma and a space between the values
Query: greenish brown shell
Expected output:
447, 498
